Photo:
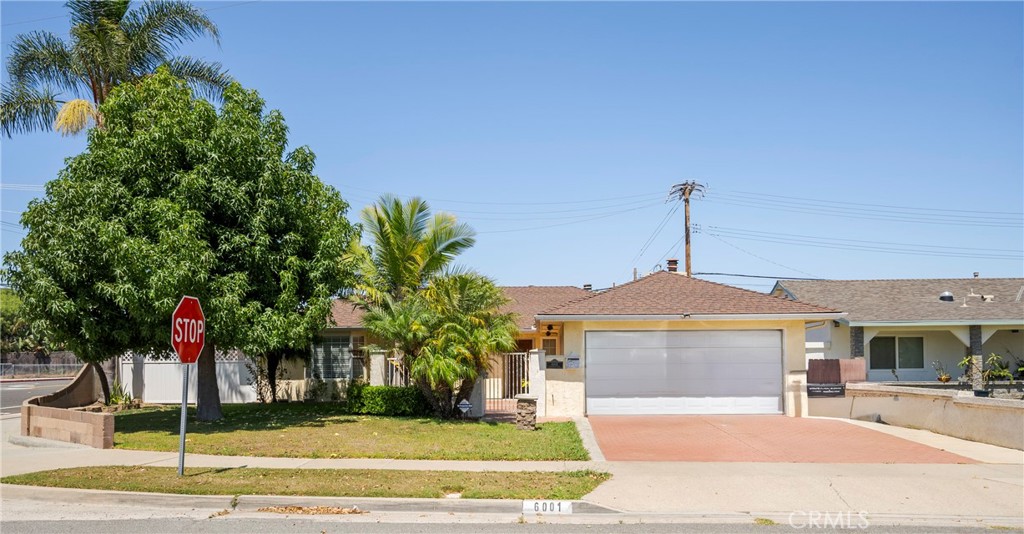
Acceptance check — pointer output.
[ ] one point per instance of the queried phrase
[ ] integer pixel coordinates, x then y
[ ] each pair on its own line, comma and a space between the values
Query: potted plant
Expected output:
994, 369
940, 372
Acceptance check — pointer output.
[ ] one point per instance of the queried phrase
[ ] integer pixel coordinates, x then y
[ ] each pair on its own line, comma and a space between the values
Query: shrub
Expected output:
385, 400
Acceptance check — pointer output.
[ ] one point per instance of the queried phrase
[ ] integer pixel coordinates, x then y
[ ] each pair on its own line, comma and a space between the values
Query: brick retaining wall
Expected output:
72, 426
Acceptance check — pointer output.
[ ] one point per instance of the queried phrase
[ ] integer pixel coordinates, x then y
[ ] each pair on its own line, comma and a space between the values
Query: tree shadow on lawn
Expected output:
238, 417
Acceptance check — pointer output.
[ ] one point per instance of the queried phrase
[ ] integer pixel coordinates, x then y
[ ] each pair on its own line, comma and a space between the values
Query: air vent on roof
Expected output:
946, 296
988, 298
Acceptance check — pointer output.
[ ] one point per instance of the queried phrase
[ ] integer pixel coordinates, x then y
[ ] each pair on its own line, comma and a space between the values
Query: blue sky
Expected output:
836, 140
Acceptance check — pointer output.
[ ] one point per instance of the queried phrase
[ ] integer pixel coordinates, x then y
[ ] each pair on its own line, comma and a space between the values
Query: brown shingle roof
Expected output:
527, 301
344, 314
668, 293
915, 300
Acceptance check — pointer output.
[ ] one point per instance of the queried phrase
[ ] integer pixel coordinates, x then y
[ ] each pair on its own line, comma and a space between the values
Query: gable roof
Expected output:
529, 301
526, 302
915, 300
667, 295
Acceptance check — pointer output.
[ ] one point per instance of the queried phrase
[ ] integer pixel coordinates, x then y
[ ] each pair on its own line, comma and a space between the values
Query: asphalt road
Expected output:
12, 394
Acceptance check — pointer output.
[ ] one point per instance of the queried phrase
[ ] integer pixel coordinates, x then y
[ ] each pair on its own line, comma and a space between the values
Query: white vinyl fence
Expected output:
158, 379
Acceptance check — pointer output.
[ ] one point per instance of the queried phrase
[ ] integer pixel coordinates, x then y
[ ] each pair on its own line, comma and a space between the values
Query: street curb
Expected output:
252, 503
51, 379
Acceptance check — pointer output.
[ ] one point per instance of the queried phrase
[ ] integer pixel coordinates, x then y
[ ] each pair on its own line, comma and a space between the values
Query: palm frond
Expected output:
25, 109
75, 116
41, 58
160, 26
90, 12
208, 79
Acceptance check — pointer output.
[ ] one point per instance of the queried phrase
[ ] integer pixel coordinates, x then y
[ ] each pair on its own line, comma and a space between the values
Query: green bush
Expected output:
385, 400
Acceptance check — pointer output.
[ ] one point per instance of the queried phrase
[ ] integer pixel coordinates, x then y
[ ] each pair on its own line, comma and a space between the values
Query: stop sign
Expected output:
188, 329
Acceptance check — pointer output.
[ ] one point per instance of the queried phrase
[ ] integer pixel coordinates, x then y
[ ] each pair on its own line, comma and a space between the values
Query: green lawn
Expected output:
321, 482
300, 430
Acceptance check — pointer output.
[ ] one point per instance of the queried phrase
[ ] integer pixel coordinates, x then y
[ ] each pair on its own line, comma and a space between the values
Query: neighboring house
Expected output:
901, 327
671, 344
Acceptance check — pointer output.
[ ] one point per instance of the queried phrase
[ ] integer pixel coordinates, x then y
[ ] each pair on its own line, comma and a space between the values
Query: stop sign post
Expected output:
188, 337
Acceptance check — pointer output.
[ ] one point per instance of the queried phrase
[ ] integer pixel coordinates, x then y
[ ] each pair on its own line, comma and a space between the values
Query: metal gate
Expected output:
508, 376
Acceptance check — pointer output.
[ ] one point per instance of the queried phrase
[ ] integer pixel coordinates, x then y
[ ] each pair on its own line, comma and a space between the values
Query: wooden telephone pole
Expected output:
683, 191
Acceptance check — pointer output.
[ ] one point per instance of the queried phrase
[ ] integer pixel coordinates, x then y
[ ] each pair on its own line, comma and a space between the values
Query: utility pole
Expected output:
683, 191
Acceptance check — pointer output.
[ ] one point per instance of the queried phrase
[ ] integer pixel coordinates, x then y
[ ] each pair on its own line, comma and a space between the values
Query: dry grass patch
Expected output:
298, 430
321, 482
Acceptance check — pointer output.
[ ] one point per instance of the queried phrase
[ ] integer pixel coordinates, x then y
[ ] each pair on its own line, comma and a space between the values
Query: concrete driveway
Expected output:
755, 438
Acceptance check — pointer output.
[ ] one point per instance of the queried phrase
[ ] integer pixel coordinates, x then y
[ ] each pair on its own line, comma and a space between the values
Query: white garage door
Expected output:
684, 372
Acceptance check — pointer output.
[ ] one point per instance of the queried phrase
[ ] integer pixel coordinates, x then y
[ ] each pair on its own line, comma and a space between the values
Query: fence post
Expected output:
538, 384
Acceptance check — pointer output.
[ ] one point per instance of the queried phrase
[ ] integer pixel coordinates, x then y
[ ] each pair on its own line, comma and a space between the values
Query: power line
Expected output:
736, 232
872, 205
756, 276
992, 223
654, 235
747, 252
902, 250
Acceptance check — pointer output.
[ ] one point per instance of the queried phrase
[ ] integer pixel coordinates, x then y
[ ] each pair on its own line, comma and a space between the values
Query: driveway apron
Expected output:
755, 438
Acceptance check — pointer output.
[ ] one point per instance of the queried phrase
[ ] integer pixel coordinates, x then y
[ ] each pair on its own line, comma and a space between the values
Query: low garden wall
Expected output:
51, 417
956, 413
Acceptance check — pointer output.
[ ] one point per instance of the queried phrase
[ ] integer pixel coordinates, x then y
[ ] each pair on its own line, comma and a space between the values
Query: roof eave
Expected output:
958, 322
697, 317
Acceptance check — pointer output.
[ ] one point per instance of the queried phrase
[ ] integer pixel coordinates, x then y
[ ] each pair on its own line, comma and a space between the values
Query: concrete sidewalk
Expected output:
978, 494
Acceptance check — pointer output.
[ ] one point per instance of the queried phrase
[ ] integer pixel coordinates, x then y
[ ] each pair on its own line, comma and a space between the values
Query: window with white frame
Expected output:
897, 352
332, 357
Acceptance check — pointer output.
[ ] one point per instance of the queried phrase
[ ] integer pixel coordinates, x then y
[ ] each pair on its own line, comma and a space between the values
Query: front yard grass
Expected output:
299, 430
321, 482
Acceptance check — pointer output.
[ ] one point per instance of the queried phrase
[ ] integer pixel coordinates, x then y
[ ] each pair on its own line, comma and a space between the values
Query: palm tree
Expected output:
109, 45
410, 247
446, 333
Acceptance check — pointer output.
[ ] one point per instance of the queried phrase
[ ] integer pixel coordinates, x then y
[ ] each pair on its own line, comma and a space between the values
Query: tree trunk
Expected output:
104, 385
208, 397
273, 361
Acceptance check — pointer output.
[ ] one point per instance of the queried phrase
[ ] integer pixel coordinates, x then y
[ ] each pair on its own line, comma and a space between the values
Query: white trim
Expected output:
697, 317
979, 322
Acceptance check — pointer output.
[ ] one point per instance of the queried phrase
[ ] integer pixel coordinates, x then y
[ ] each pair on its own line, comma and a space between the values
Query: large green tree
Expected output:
64, 83
445, 334
172, 197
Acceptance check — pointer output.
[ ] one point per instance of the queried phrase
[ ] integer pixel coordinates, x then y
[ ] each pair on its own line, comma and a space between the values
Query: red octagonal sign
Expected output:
188, 329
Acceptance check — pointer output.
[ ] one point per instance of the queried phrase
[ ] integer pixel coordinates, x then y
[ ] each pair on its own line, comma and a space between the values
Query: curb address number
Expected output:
547, 507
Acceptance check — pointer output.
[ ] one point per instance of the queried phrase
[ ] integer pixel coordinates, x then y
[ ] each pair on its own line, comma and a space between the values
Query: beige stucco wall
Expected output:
566, 388
985, 420
1006, 343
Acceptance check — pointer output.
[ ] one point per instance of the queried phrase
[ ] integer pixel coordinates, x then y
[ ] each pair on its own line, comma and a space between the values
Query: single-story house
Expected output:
902, 327
338, 355
668, 343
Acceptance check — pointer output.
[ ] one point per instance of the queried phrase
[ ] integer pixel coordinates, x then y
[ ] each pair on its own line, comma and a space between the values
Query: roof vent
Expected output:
988, 298
946, 296
673, 265
588, 287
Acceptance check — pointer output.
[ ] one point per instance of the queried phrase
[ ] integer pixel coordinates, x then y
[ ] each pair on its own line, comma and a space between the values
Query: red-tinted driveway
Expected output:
754, 438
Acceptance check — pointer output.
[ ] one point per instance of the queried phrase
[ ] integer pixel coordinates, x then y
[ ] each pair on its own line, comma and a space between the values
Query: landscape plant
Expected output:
174, 197
63, 84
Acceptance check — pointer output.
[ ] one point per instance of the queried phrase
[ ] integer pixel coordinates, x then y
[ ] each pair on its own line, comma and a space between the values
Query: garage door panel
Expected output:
684, 372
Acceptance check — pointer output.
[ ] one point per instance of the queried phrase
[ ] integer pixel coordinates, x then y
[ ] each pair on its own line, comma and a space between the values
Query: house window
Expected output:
549, 345
332, 358
897, 353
